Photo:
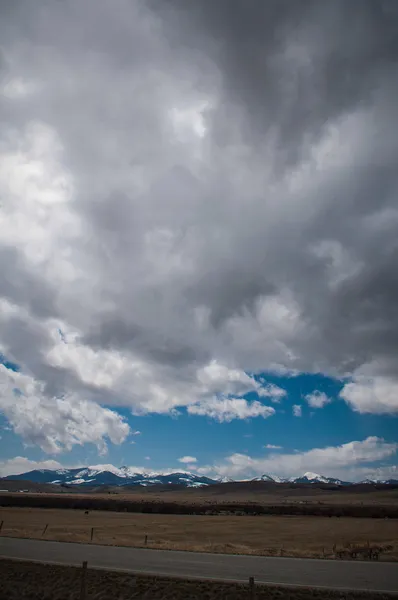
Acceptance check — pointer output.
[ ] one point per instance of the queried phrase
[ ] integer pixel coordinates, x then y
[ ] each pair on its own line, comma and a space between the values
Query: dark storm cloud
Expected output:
20, 284
233, 169
118, 334
295, 66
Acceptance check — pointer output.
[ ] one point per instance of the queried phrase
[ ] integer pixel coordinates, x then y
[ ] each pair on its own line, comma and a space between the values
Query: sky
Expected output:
198, 236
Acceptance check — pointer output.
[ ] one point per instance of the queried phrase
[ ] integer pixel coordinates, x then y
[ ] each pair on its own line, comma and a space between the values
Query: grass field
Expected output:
260, 493
263, 535
254, 501
32, 581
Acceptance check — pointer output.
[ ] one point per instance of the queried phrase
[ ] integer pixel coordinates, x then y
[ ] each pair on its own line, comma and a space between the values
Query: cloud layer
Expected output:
20, 464
228, 409
350, 461
191, 192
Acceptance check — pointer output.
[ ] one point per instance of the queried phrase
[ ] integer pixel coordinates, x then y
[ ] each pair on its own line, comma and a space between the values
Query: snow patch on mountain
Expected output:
379, 481
315, 477
270, 477
310, 477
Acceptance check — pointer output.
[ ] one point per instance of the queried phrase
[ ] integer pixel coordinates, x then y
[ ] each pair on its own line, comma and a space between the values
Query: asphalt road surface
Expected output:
375, 576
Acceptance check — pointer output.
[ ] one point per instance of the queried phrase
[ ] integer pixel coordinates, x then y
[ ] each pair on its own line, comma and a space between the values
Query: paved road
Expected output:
375, 576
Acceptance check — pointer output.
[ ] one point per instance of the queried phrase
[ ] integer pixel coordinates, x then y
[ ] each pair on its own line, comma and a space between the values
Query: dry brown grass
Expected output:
263, 496
33, 581
262, 535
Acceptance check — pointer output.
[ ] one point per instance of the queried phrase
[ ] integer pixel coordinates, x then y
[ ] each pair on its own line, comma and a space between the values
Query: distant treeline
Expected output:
172, 508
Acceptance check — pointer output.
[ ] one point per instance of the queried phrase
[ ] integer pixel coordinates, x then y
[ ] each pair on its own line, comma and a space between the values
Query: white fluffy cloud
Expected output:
348, 460
317, 399
188, 460
217, 378
126, 379
272, 447
297, 410
378, 395
228, 409
56, 424
271, 391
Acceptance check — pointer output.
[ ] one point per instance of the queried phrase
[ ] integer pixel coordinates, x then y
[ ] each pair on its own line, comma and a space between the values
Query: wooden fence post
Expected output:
251, 588
44, 530
92, 533
83, 581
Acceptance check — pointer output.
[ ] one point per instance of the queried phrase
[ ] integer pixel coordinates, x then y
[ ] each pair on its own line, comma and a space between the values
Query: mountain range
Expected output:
110, 475
316, 478
93, 476
306, 478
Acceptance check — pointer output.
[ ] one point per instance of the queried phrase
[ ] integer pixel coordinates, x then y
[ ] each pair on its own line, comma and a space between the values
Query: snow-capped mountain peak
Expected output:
315, 477
310, 477
61, 471
270, 477
96, 469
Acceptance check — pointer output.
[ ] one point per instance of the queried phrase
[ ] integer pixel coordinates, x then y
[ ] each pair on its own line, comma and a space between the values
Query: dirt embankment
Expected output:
32, 581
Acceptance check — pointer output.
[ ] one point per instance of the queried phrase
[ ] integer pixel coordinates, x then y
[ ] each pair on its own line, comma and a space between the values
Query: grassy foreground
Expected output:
34, 581
314, 537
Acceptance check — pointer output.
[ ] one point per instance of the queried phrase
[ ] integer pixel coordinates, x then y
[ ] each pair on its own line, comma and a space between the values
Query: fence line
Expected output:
251, 588
83, 583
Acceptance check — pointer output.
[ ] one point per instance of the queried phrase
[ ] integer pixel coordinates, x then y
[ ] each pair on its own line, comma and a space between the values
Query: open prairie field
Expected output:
269, 535
251, 492
227, 493
33, 581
